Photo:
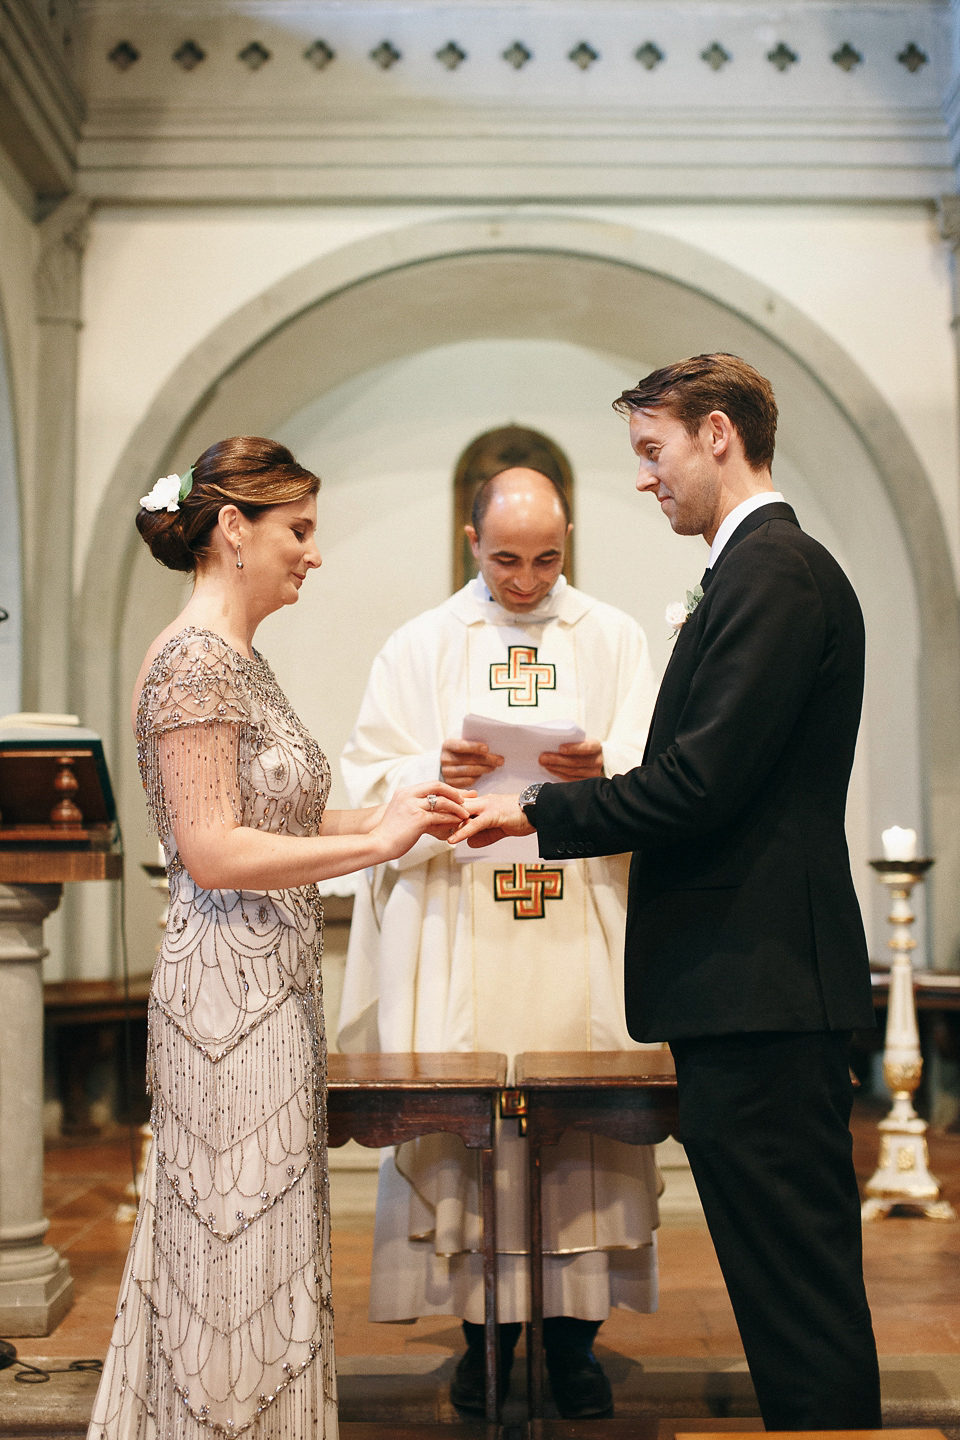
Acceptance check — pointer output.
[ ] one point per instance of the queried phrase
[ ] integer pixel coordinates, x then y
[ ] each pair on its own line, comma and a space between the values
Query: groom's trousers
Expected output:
765, 1121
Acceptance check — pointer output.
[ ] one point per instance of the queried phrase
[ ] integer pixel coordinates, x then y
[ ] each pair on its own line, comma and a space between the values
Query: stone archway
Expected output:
600, 286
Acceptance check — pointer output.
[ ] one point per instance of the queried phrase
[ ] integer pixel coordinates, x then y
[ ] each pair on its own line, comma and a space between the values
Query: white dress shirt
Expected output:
736, 516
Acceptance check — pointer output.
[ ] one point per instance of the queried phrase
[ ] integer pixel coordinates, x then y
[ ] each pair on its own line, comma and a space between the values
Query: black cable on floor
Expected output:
28, 1374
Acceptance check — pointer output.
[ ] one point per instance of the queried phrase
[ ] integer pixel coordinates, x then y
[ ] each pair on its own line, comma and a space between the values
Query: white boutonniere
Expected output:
679, 611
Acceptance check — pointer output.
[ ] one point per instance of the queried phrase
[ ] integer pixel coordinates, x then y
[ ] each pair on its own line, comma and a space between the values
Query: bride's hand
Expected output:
428, 809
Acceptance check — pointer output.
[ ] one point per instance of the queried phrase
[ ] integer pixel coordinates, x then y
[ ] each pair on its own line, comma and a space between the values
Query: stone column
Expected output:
48, 498
36, 1288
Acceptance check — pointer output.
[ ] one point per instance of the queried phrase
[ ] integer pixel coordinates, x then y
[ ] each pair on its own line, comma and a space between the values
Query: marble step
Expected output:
398, 1390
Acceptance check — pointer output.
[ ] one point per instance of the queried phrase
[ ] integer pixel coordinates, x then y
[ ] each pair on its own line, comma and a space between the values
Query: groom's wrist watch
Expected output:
527, 800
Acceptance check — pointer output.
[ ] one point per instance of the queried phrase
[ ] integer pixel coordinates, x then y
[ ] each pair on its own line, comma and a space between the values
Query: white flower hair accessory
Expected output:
168, 492
678, 612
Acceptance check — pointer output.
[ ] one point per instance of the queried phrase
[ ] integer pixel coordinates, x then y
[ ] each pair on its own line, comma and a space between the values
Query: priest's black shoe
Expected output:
580, 1388
468, 1386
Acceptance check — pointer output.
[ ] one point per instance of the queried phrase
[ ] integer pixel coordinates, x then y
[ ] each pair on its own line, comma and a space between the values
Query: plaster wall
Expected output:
157, 281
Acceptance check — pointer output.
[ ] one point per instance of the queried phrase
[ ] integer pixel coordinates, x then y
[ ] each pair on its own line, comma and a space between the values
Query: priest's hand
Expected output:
433, 809
580, 760
491, 818
462, 762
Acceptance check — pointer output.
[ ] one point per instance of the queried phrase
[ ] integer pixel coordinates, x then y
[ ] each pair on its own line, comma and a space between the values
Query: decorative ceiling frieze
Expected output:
549, 99
319, 54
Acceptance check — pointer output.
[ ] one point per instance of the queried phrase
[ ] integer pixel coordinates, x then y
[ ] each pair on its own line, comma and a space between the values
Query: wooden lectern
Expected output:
57, 824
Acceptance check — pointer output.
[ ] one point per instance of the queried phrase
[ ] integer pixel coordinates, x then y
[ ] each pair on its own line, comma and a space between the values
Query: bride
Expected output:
224, 1323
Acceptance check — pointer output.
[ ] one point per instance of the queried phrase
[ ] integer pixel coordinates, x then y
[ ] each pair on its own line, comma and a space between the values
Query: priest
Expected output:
451, 956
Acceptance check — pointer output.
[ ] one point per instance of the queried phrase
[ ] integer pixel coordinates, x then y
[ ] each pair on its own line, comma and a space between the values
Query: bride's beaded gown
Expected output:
224, 1323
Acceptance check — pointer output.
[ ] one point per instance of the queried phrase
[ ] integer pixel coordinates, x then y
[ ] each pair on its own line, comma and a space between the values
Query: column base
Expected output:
36, 1306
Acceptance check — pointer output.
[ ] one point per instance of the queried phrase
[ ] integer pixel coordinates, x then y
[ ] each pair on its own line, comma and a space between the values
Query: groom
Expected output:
744, 944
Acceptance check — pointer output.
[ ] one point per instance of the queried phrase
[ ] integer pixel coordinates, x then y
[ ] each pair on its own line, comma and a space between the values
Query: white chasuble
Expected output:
445, 956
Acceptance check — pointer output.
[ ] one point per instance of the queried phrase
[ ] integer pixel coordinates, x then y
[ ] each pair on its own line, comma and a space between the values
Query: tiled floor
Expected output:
912, 1266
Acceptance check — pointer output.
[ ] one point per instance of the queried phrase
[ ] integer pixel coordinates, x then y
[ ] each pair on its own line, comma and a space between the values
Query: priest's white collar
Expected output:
475, 603
736, 517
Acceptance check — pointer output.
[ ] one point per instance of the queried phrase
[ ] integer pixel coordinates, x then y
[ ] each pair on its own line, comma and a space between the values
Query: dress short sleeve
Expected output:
196, 731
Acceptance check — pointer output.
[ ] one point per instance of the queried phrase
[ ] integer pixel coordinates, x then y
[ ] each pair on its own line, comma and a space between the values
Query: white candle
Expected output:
899, 844
161, 858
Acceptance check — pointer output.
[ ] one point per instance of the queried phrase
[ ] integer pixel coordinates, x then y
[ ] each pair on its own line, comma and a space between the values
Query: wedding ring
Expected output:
432, 801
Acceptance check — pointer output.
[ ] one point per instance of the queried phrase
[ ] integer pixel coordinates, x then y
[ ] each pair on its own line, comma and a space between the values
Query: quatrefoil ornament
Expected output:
715, 56
847, 57
782, 57
649, 55
583, 55
189, 55
451, 55
385, 55
124, 55
254, 55
319, 55
517, 55
912, 58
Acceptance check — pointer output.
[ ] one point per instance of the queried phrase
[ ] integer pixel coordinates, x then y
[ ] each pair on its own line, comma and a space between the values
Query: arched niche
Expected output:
641, 299
495, 450
10, 563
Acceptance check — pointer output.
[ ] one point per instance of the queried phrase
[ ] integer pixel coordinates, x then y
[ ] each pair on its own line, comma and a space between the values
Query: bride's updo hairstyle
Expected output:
247, 471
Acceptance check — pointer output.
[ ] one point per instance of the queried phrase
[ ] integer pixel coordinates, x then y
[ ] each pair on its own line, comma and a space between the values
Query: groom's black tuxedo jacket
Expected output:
742, 914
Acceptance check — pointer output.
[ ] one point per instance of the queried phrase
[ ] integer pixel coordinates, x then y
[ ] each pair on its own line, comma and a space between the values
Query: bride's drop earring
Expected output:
239, 561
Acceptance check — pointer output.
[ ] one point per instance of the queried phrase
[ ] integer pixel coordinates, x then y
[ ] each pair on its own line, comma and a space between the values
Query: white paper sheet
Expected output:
521, 746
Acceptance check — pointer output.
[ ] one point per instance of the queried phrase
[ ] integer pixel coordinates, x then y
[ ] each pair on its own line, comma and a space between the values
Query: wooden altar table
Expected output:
388, 1099
628, 1095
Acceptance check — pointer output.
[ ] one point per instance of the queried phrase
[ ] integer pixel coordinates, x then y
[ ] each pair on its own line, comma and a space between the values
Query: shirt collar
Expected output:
474, 605
548, 609
736, 517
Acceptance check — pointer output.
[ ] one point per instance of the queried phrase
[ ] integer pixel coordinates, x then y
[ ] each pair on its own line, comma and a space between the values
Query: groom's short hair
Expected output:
691, 389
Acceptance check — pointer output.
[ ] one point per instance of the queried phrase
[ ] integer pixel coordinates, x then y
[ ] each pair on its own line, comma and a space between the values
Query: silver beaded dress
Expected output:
225, 1323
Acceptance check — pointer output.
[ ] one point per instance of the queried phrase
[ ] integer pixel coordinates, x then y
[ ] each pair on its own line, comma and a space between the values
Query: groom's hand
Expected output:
491, 818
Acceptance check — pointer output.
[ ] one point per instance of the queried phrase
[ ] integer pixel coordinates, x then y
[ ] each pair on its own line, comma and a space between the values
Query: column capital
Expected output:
63, 239
27, 905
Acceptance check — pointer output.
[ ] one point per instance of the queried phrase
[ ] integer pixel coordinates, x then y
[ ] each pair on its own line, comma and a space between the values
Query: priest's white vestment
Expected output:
445, 956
